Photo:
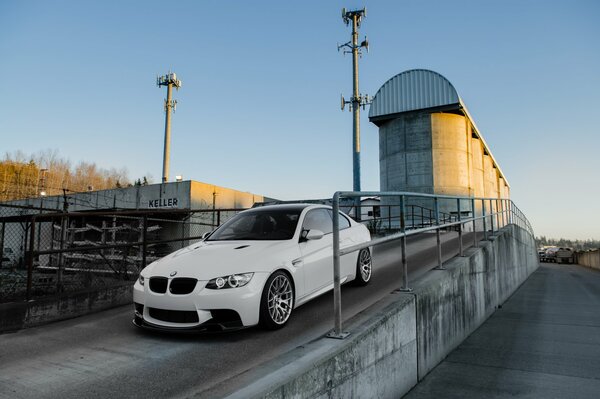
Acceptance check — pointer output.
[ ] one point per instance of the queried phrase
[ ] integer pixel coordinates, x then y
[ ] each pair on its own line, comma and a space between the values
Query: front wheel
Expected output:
364, 267
277, 301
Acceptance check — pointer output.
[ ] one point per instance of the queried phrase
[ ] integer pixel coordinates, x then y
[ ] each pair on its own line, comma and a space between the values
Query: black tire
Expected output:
364, 267
277, 301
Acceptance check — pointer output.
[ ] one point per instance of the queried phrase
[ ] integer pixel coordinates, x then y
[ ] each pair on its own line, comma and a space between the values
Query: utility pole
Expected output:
357, 100
168, 80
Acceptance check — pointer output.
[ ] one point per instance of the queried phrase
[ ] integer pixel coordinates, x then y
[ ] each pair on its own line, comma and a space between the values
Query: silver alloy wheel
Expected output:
280, 299
365, 264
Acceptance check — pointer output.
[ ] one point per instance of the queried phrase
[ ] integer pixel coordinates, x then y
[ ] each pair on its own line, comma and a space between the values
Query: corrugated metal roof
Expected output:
412, 90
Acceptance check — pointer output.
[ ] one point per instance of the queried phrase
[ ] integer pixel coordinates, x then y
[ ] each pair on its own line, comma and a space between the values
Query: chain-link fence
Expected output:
46, 253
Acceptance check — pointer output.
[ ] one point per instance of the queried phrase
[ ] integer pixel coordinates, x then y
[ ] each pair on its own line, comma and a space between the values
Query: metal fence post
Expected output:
64, 224
475, 243
2, 243
460, 229
499, 221
484, 219
492, 214
498, 213
337, 292
403, 245
389, 217
30, 258
438, 234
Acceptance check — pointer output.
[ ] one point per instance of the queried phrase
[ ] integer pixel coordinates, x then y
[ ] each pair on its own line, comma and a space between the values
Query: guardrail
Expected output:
494, 213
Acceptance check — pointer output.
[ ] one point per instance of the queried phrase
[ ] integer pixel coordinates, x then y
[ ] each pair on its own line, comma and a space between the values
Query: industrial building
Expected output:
104, 216
174, 195
429, 143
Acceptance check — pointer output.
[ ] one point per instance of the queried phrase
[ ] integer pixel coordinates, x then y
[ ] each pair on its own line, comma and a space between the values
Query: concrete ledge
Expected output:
377, 360
397, 341
18, 315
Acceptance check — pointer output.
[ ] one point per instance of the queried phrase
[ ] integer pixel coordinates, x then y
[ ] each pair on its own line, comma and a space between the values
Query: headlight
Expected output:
232, 281
141, 280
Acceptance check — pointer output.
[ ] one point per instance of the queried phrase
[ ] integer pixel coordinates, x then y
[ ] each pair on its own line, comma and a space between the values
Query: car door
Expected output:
347, 239
317, 255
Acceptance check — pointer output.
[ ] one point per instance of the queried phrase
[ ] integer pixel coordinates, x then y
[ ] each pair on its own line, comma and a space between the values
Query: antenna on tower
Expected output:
170, 80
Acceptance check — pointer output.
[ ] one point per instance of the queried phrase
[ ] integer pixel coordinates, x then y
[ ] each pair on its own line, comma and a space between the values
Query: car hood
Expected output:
210, 259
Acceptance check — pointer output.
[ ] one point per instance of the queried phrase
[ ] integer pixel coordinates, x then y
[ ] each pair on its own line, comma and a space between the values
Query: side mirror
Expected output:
205, 235
314, 234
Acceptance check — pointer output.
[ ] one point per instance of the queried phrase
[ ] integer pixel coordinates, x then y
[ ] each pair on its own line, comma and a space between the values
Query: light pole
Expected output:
168, 80
357, 100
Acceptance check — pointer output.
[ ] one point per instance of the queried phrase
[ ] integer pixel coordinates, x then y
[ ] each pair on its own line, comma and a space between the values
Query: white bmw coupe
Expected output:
254, 269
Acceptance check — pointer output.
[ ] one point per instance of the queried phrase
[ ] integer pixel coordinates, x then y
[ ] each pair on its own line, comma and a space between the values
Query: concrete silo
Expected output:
430, 144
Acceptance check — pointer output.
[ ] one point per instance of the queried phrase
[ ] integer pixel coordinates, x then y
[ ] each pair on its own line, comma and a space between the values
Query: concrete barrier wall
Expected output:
452, 303
395, 343
589, 259
15, 316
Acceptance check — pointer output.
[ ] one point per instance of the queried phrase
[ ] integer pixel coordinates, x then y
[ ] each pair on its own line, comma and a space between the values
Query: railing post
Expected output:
337, 292
484, 219
460, 228
475, 242
498, 214
403, 244
440, 265
492, 214
389, 217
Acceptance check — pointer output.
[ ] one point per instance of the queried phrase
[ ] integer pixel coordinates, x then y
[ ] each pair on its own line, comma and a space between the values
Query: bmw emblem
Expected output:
173, 274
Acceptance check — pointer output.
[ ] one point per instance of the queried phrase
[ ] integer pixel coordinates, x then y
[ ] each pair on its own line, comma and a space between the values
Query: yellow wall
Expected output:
490, 178
202, 195
478, 175
460, 165
451, 155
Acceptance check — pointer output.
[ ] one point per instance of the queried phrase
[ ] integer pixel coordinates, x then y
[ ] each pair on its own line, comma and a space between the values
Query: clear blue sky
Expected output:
258, 110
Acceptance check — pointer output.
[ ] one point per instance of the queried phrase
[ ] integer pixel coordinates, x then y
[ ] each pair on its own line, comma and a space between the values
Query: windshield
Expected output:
261, 224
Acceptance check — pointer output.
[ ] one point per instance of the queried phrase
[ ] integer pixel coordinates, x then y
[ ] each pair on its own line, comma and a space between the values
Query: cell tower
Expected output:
168, 80
357, 100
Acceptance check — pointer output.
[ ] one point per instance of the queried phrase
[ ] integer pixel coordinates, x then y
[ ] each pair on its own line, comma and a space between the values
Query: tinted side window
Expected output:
319, 219
344, 222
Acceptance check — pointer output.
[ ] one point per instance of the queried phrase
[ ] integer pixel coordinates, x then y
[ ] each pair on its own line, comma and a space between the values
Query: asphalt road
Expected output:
104, 355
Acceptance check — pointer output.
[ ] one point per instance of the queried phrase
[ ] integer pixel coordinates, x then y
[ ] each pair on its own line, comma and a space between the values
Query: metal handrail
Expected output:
505, 213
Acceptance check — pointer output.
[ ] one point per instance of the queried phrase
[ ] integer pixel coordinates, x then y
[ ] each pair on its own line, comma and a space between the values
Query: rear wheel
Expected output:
364, 267
277, 301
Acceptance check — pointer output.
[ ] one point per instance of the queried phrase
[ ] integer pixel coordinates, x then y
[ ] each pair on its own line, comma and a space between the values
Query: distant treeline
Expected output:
578, 245
23, 176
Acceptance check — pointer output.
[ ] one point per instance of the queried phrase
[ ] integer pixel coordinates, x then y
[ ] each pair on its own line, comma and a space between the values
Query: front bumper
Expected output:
202, 309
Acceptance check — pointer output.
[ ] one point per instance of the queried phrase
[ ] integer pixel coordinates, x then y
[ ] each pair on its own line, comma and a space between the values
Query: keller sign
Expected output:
163, 203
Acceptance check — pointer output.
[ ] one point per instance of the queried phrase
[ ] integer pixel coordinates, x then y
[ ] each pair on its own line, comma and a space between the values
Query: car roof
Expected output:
297, 207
